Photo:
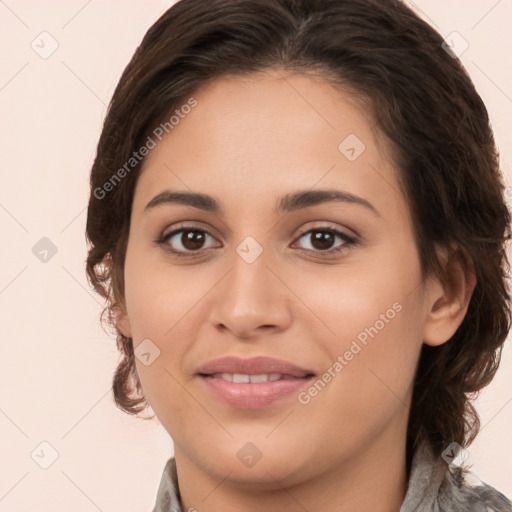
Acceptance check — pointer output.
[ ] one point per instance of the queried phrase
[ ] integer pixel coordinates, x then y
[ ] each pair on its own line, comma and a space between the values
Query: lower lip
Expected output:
253, 395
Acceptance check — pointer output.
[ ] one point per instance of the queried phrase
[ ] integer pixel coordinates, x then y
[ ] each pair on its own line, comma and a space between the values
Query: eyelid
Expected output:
329, 226
184, 225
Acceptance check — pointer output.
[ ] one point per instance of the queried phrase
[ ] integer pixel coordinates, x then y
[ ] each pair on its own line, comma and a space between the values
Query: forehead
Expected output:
268, 133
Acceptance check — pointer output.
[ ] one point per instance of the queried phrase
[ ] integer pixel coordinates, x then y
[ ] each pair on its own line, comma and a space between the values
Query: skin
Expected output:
249, 141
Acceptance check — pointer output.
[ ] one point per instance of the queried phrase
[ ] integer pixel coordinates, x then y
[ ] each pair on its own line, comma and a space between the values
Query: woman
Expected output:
297, 220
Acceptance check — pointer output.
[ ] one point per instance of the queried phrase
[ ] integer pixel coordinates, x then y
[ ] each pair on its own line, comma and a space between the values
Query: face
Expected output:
327, 286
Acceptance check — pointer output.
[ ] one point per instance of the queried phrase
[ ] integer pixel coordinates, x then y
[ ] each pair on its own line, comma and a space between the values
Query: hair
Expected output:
421, 99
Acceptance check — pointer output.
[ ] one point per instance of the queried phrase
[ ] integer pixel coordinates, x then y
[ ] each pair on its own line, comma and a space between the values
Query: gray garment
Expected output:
433, 487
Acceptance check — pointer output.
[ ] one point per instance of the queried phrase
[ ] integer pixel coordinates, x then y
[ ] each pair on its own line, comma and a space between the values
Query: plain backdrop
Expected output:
57, 363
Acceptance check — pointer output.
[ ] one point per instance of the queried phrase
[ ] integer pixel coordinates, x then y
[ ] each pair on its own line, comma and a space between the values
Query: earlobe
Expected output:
448, 301
123, 323
118, 309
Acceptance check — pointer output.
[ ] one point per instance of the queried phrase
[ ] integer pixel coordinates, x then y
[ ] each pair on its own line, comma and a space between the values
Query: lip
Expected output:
253, 395
253, 366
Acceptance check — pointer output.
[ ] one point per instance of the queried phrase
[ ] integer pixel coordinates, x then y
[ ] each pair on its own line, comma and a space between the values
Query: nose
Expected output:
252, 299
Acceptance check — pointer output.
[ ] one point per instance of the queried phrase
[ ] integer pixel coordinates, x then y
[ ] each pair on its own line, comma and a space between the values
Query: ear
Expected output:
118, 304
120, 316
123, 323
447, 302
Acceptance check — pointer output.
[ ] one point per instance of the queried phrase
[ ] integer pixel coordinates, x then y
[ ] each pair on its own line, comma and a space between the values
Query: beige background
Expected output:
57, 363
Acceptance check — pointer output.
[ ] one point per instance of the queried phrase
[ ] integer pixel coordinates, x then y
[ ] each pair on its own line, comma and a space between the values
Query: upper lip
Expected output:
253, 366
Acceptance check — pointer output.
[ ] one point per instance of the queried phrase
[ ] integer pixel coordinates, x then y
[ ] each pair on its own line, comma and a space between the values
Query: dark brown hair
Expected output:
421, 99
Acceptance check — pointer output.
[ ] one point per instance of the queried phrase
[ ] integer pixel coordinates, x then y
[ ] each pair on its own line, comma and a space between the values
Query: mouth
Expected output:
252, 383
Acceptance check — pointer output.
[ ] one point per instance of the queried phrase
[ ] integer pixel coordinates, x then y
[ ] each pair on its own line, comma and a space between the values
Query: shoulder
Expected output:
435, 486
168, 496
461, 489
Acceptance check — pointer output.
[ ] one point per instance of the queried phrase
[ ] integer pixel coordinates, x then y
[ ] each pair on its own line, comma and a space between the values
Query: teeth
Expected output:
259, 378
238, 378
242, 378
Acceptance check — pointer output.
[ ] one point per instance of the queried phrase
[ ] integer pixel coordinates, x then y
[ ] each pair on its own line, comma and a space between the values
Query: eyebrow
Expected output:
287, 203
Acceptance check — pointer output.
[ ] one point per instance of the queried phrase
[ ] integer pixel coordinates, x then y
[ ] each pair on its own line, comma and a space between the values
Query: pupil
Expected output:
192, 239
324, 238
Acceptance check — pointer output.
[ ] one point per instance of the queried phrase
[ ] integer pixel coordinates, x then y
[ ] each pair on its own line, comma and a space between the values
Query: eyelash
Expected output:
350, 242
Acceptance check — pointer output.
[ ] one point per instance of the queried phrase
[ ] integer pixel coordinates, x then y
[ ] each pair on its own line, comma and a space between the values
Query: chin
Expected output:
257, 464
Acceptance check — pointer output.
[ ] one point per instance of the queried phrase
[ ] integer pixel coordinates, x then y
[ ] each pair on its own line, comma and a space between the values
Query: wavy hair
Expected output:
420, 97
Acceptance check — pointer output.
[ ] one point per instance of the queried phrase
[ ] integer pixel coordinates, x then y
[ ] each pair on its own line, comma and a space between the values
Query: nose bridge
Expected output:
250, 276
251, 295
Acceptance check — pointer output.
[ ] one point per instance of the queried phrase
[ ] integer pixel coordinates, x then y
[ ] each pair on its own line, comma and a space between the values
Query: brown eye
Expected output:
322, 240
186, 240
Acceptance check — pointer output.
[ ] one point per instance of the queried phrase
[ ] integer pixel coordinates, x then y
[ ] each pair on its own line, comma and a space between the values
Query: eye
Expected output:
323, 238
189, 241
184, 241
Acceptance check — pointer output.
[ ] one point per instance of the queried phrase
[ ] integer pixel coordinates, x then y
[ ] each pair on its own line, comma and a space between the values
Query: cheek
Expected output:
374, 321
367, 383
157, 296
160, 303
